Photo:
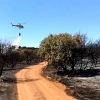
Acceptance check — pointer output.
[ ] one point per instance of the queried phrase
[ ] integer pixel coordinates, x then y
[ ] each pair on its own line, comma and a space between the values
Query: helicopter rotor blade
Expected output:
23, 23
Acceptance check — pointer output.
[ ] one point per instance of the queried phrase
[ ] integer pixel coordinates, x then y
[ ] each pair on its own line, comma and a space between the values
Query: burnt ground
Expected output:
83, 88
83, 85
8, 89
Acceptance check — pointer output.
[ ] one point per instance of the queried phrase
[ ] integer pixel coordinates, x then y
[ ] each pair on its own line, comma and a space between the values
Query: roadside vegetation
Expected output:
74, 61
10, 58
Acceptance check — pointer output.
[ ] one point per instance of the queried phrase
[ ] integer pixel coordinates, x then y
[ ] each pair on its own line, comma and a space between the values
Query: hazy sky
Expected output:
48, 16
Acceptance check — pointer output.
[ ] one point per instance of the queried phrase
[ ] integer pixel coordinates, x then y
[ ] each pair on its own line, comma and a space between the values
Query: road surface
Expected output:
32, 86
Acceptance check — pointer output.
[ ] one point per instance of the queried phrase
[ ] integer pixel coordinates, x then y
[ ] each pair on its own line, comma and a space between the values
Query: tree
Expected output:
4, 47
57, 49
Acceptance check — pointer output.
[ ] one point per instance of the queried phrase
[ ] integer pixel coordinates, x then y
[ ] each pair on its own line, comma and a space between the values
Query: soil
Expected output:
8, 88
28, 84
32, 86
82, 87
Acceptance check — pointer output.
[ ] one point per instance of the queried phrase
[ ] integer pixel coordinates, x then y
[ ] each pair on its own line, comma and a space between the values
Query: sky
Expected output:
43, 17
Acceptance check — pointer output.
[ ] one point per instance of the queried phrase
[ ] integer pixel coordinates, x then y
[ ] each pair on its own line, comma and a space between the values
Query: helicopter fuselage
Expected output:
19, 26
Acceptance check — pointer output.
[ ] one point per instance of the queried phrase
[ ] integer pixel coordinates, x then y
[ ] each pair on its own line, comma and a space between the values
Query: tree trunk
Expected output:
1, 70
73, 66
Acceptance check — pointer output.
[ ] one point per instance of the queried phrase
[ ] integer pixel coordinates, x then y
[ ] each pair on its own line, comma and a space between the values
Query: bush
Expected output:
57, 49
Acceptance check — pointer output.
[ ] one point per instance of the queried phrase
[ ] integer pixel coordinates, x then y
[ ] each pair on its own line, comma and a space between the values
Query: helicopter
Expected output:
18, 25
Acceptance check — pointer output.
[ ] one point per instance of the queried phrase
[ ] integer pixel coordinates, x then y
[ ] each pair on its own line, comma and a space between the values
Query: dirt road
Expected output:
32, 86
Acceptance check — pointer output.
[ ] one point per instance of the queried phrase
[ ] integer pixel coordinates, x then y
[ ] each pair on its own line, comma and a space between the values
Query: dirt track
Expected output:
32, 86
